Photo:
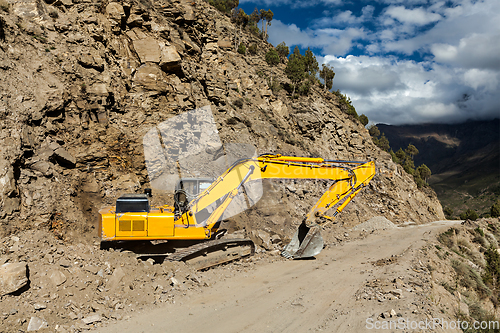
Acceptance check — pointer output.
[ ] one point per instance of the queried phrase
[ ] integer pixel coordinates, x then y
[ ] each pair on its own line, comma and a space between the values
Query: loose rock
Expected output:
13, 276
36, 324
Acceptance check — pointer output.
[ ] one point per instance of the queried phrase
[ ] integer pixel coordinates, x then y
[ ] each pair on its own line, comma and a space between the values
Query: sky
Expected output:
400, 61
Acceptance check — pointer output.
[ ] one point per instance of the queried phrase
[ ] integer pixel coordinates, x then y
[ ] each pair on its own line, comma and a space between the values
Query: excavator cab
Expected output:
186, 190
193, 186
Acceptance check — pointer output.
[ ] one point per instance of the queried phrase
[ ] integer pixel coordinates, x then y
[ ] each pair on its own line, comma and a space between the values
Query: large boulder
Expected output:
170, 59
115, 12
225, 44
36, 324
149, 77
147, 49
8, 189
13, 276
188, 12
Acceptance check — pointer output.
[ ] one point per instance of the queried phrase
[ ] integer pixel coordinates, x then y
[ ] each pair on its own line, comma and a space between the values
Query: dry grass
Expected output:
469, 278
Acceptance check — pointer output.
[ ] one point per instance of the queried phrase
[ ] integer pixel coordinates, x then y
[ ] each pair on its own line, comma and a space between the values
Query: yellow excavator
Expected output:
198, 218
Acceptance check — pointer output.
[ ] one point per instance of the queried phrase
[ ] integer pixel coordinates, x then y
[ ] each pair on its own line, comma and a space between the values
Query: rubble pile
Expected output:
375, 223
47, 283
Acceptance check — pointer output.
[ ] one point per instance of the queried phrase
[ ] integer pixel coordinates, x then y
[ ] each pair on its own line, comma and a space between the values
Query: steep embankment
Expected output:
464, 159
83, 82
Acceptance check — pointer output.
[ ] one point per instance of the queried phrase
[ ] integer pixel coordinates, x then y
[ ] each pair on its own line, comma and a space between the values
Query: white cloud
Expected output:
293, 3
464, 20
344, 18
482, 79
336, 41
347, 17
392, 91
416, 16
444, 52
474, 51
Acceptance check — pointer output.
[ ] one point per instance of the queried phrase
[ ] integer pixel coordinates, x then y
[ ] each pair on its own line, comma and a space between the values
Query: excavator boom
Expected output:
347, 181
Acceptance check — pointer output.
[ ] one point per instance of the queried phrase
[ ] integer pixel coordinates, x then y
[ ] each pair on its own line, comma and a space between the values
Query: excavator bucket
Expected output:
306, 242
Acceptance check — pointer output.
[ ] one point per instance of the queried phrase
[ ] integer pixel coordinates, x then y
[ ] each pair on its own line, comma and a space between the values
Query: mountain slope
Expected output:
464, 159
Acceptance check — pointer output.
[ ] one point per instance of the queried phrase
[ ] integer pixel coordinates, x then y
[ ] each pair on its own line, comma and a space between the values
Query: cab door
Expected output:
131, 225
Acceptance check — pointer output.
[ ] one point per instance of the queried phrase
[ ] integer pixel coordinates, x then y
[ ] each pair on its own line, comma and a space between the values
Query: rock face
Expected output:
12, 277
80, 88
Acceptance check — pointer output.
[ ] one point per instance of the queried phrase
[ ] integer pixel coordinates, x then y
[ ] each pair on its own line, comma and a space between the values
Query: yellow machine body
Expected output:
159, 224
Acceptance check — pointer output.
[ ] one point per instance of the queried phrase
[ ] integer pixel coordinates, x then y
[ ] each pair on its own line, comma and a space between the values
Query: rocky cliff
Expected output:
82, 82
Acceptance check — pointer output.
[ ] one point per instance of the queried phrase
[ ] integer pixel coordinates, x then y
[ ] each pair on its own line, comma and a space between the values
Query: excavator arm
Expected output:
348, 182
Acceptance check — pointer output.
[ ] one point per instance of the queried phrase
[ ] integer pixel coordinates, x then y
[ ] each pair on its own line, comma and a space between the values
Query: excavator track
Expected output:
214, 252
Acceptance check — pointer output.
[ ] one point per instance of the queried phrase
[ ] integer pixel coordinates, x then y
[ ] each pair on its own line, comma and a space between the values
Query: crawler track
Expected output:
214, 252
208, 253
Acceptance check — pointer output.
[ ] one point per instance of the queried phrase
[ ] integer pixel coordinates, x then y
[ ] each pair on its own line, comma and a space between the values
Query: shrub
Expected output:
469, 214
401, 155
345, 105
295, 70
493, 241
327, 74
383, 143
477, 312
411, 150
495, 210
254, 29
395, 159
447, 238
492, 271
480, 239
224, 6
409, 166
374, 131
242, 49
272, 59
448, 212
283, 51
238, 103
252, 49
305, 87
419, 181
424, 172
469, 278
363, 120
275, 86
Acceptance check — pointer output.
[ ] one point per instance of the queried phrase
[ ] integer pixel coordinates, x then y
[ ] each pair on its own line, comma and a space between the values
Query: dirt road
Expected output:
300, 296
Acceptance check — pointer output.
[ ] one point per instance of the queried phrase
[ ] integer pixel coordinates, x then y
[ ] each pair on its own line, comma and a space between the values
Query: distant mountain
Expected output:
464, 160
